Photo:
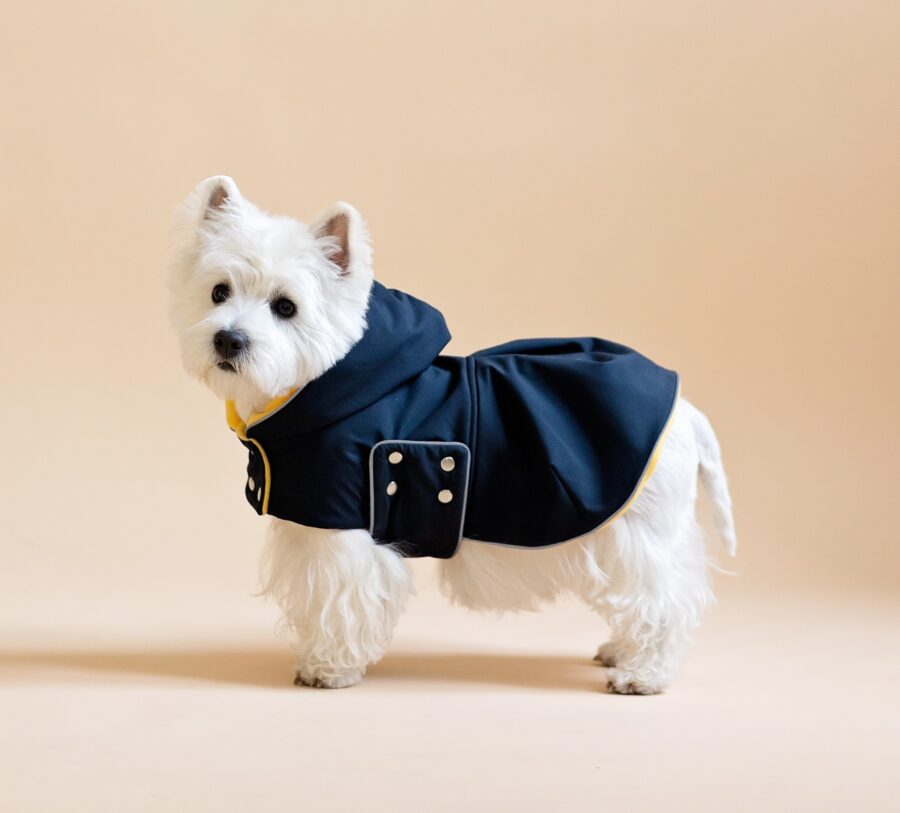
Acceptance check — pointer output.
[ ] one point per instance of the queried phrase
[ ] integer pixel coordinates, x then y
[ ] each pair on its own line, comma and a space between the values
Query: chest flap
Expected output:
418, 493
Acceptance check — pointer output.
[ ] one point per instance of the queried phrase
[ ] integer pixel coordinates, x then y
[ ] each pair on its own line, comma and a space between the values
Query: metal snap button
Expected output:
448, 464
391, 488
445, 495
395, 457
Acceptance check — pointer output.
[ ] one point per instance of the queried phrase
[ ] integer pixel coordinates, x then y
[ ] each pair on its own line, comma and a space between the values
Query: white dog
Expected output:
263, 306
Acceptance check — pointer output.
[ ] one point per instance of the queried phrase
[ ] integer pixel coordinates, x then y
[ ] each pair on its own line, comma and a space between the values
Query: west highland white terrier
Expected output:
532, 469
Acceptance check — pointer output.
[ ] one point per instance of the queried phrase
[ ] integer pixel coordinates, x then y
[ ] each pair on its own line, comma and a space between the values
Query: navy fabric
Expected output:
549, 438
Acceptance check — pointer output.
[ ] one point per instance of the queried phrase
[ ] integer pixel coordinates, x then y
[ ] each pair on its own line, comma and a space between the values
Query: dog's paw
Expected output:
607, 654
619, 681
303, 677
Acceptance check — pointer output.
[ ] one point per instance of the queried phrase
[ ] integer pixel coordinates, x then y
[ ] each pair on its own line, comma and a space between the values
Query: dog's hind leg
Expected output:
609, 654
655, 570
653, 604
341, 595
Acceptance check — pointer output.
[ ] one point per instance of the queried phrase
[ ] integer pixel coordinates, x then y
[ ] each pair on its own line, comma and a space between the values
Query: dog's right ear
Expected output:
210, 203
217, 195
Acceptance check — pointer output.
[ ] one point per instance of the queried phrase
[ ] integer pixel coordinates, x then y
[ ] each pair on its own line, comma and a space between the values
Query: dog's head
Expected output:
262, 303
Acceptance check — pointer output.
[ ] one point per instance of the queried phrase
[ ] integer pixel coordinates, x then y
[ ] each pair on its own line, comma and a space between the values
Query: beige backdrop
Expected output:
715, 184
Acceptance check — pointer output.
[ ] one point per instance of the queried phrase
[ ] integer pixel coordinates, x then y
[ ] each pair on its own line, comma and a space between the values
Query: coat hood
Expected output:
403, 337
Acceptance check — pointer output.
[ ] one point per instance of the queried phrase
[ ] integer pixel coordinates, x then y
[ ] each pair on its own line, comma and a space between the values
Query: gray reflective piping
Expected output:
273, 412
420, 443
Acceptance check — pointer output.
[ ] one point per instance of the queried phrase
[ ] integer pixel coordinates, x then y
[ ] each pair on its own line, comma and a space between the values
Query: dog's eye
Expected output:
220, 293
283, 308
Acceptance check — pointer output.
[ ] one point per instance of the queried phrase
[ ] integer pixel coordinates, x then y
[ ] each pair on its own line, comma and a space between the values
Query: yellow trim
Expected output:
239, 427
235, 422
654, 458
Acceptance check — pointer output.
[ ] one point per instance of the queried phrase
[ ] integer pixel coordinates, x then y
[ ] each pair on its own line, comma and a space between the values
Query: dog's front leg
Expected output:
341, 595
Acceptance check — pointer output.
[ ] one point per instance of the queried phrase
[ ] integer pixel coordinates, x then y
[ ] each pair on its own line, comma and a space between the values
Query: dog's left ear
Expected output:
344, 239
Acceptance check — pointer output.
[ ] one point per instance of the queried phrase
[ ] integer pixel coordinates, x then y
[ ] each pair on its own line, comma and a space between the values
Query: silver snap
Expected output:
395, 457
391, 488
445, 495
251, 484
448, 464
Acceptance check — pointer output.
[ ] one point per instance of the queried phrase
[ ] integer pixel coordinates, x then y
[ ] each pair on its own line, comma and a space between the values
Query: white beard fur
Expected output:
341, 594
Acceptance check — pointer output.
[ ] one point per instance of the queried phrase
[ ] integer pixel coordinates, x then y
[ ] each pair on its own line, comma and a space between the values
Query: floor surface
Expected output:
783, 705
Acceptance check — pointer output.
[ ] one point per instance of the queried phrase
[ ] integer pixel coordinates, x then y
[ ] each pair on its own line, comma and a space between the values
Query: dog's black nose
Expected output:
229, 343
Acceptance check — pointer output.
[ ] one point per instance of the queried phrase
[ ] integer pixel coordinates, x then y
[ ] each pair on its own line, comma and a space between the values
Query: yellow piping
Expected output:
239, 427
653, 459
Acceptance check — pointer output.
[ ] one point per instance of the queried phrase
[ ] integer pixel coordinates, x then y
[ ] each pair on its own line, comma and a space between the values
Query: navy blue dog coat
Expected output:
530, 443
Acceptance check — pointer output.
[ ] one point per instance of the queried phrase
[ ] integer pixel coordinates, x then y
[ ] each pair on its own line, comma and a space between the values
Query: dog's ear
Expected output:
218, 194
344, 239
210, 202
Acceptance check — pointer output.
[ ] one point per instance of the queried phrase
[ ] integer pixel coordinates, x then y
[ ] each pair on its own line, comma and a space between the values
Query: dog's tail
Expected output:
712, 475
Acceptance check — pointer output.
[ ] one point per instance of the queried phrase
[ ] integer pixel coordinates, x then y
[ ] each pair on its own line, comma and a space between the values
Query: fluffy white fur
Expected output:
341, 594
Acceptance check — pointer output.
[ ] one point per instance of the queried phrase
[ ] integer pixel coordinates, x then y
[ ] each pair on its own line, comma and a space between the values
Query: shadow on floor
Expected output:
271, 668
556, 672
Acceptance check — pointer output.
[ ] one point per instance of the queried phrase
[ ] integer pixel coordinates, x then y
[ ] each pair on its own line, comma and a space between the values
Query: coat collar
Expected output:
403, 336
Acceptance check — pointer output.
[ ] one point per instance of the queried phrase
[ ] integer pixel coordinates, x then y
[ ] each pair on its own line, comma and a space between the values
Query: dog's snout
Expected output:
230, 343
